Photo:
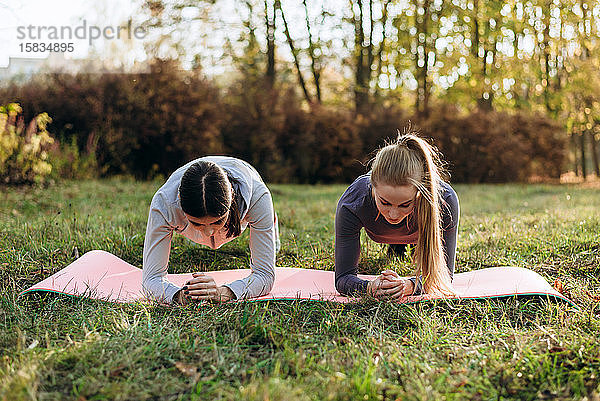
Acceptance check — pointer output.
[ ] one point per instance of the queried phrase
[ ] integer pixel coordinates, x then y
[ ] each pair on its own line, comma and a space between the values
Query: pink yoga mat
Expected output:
102, 275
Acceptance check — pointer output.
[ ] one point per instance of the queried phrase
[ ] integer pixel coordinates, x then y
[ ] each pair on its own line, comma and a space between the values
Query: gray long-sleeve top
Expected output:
166, 217
356, 209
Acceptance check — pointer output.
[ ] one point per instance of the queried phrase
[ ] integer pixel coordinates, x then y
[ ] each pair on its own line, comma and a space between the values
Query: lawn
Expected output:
59, 347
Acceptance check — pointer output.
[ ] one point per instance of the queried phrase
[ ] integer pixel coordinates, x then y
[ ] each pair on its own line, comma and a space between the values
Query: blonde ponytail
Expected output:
410, 160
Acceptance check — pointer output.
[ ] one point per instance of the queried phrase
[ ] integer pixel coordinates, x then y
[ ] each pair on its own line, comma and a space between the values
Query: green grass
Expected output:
59, 347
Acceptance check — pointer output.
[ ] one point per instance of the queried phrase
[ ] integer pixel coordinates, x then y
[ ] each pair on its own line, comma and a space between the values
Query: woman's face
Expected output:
208, 225
394, 202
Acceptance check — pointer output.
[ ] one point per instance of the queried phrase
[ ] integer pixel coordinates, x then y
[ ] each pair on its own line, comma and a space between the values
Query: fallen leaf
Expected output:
209, 378
558, 286
117, 371
345, 340
186, 369
462, 383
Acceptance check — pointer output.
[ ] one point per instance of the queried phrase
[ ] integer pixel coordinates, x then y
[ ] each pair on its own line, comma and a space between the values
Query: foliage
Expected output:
518, 56
254, 117
141, 124
150, 124
269, 128
23, 151
497, 146
165, 118
68, 161
320, 145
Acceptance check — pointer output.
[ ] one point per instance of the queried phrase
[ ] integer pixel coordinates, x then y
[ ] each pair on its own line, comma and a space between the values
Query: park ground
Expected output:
59, 347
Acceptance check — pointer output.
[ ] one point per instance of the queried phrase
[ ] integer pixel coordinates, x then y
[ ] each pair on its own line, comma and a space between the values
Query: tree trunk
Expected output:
546, 52
370, 57
426, 89
422, 99
594, 146
582, 152
483, 103
313, 59
270, 24
294, 53
475, 43
381, 50
361, 90
574, 150
417, 71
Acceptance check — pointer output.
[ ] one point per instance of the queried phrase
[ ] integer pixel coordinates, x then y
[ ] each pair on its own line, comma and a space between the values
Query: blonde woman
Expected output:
402, 200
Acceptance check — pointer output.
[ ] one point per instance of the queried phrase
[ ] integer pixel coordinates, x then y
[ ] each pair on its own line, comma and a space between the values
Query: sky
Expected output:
17, 16
16, 39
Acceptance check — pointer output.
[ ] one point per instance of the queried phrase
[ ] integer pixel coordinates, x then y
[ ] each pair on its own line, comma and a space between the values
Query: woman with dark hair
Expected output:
210, 201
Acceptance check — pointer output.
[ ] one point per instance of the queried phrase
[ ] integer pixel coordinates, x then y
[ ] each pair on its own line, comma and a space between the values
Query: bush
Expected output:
496, 146
150, 124
380, 125
156, 122
269, 128
142, 124
68, 161
23, 151
322, 145
254, 117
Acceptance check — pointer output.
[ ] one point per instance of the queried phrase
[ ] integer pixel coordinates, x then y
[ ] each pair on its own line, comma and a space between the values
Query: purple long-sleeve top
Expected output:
356, 210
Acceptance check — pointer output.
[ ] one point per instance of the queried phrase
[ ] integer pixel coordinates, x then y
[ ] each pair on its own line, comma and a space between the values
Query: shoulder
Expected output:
166, 203
355, 194
450, 205
449, 194
352, 203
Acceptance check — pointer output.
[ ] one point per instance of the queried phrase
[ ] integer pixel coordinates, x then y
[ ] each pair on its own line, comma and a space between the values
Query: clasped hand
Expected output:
203, 288
390, 285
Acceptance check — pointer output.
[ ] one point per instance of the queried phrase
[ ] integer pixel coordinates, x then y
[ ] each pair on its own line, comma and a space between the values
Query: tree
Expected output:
295, 54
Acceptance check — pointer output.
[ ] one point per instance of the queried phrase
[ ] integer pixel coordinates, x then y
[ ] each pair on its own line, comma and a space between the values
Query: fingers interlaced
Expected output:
203, 291
200, 279
386, 292
392, 289
201, 286
385, 284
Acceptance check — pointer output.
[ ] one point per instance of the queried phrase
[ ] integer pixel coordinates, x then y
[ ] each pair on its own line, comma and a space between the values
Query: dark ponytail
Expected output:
234, 224
206, 190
